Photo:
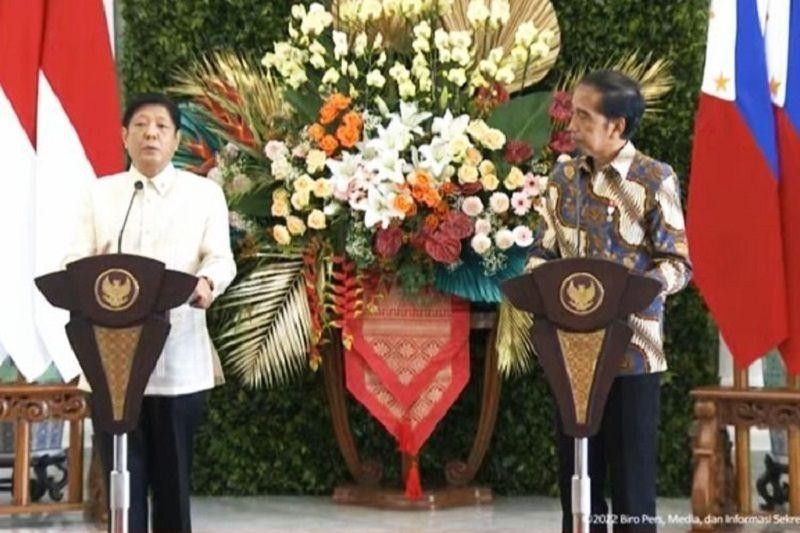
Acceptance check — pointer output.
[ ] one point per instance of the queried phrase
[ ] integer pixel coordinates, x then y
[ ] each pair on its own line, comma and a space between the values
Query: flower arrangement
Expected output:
393, 141
412, 169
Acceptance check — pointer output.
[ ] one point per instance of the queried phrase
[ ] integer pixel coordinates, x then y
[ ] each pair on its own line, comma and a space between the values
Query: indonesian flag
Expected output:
783, 62
64, 124
734, 221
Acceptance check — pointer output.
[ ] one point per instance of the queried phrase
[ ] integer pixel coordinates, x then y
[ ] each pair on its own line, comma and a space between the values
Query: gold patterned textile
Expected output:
581, 351
117, 347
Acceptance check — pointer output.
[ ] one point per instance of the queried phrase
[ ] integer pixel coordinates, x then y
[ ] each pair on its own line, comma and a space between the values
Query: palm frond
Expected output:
514, 345
540, 12
652, 75
267, 341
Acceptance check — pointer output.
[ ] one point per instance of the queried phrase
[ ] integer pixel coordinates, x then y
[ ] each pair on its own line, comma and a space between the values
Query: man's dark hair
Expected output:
621, 97
142, 100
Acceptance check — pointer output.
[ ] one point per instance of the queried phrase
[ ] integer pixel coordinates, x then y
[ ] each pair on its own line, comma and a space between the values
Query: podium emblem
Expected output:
581, 293
116, 289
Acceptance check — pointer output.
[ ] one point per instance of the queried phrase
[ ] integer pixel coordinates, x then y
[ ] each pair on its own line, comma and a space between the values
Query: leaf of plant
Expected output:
524, 118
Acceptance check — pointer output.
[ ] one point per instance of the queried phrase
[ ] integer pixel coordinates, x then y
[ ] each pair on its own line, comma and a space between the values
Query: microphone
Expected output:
138, 186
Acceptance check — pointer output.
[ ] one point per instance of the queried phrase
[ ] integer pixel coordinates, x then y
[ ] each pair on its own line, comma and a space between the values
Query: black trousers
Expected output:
160, 452
626, 449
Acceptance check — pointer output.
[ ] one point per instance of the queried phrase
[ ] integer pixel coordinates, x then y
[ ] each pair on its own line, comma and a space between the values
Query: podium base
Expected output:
395, 499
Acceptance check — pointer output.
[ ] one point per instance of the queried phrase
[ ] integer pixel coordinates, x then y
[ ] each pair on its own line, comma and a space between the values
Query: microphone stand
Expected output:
119, 497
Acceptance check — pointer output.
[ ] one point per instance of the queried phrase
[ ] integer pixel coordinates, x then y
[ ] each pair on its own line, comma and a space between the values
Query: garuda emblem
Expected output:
581, 293
116, 289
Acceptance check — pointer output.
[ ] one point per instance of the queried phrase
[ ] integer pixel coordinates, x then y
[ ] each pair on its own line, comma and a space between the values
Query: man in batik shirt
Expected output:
630, 213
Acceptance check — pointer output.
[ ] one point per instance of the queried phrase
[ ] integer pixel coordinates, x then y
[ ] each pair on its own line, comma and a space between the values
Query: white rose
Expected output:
504, 239
467, 174
315, 161
316, 219
480, 243
295, 225
483, 226
280, 169
472, 206
275, 150
281, 234
499, 202
300, 200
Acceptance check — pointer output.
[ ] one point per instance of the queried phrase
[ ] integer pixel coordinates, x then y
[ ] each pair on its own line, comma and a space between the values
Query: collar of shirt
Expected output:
161, 182
621, 163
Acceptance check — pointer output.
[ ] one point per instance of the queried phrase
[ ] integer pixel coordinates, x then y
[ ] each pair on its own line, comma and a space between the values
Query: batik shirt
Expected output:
630, 214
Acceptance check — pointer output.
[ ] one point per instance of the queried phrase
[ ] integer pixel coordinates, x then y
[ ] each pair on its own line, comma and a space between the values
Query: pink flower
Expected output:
531, 185
523, 236
561, 107
388, 242
517, 152
521, 203
562, 142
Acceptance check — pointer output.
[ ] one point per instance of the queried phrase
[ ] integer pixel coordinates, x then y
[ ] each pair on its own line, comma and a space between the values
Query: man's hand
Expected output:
202, 297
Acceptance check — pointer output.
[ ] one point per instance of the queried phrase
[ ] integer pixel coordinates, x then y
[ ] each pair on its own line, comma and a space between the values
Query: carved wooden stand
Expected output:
459, 474
716, 492
24, 404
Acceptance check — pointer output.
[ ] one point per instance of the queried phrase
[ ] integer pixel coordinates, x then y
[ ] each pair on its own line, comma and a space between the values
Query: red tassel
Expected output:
413, 485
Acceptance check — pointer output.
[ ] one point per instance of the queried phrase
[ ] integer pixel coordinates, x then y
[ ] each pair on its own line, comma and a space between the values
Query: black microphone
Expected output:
138, 186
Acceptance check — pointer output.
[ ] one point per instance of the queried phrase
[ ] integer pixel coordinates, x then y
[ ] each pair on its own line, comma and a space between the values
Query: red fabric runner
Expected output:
408, 363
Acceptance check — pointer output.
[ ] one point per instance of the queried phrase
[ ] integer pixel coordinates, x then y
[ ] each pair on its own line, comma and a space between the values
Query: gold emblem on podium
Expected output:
116, 289
581, 293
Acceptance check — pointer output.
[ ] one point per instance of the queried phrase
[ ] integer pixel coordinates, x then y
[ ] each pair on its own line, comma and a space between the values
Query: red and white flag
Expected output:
21, 31
73, 137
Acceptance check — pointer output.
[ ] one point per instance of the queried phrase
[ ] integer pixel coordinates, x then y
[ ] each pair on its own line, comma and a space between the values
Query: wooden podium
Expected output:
119, 321
580, 333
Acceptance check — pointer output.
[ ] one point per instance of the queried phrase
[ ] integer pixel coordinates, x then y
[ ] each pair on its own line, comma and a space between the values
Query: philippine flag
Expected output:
734, 220
783, 62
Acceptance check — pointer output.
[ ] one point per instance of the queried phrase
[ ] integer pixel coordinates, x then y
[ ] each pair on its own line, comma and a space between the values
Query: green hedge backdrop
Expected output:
281, 441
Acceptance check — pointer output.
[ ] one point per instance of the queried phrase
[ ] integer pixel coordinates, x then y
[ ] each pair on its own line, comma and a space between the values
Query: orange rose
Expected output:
353, 120
329, 144
316, 132
338, 101
442, 208
347, 136
403, 203
327, 114
431, 198
420, 178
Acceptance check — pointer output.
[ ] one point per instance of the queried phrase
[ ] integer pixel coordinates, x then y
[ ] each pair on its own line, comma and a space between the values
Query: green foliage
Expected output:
281, 441
524, 119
